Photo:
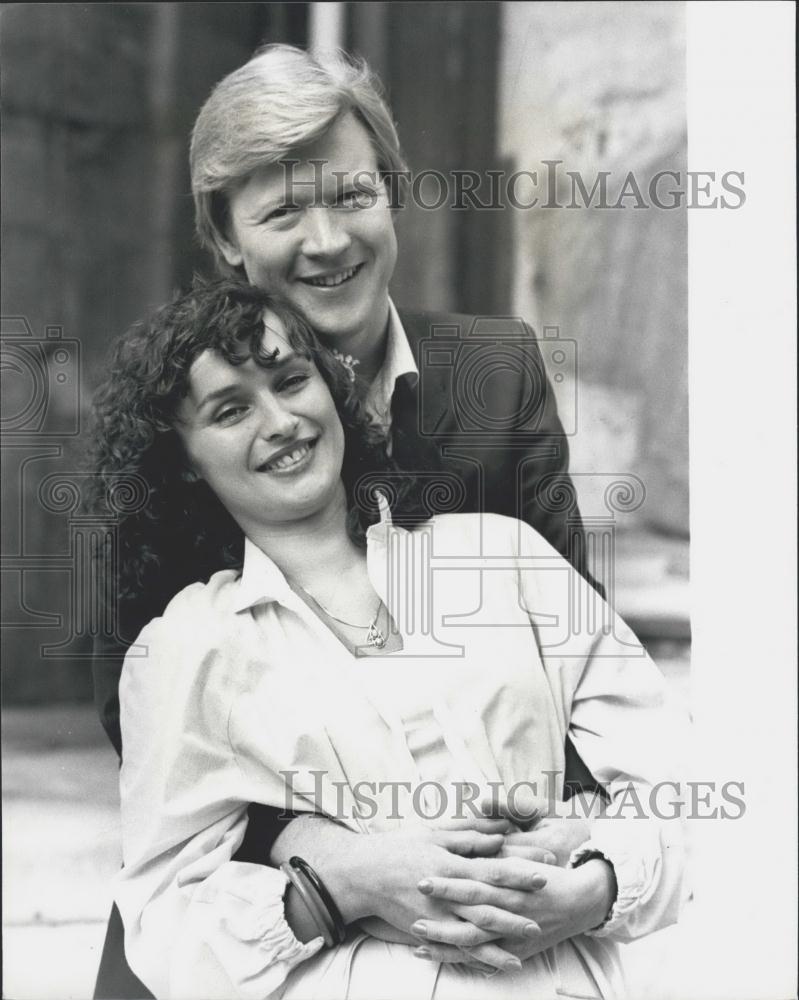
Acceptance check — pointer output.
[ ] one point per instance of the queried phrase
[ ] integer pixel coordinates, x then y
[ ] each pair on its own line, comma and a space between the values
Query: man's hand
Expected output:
559, 836
550, 841
374, 878
399, 861
572, 901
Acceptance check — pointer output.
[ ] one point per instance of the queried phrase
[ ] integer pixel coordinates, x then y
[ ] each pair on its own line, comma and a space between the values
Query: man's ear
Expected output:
230, 252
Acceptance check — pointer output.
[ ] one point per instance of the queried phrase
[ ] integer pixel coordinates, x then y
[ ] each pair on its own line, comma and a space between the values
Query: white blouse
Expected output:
240, 694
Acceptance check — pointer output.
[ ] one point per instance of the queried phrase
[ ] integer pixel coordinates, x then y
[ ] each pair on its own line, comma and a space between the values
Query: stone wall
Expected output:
98, 103
601, 87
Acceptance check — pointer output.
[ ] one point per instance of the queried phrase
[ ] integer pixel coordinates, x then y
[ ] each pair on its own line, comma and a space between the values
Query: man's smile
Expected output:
331, 279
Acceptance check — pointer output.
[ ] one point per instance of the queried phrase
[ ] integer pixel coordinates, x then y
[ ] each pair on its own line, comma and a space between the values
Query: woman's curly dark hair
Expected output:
181, 527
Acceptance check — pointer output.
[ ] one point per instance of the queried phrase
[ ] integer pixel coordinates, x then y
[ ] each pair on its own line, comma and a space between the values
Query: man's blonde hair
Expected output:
278, 102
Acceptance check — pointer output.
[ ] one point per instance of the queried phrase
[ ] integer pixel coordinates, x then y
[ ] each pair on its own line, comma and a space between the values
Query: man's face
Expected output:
321, 235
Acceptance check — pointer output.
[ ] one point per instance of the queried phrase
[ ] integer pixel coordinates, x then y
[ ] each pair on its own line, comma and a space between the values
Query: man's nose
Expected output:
325, 233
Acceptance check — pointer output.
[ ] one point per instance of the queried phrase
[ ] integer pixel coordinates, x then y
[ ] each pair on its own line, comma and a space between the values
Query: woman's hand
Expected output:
572, 901
551, 841
394, 864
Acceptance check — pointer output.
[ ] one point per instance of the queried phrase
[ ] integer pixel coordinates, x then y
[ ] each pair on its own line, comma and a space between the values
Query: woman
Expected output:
335, 668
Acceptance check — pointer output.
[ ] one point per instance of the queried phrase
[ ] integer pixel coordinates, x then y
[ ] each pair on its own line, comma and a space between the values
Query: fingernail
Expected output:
425, 886
531, 930
538, 882
420, 928
551, 859
512, 965
421, 952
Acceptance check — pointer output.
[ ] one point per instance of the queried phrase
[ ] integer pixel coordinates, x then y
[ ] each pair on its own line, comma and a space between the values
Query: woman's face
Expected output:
267, 441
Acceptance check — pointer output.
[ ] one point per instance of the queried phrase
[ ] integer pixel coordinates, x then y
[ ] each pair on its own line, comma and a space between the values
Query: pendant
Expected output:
375, 637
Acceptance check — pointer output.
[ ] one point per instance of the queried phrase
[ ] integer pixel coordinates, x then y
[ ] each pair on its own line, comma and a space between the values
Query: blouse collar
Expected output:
262, 581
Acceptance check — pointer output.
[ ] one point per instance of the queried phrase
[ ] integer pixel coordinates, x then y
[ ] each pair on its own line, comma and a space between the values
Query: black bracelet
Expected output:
324, 895
313, 904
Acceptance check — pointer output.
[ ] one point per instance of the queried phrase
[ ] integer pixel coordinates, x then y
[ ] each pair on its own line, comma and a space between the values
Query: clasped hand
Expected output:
482, 892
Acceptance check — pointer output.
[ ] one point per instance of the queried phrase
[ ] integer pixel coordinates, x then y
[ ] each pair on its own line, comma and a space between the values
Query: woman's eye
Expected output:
294, 381
229, 414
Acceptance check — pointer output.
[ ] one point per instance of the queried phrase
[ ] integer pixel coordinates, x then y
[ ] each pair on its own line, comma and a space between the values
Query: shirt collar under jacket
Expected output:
399, 360
262, 581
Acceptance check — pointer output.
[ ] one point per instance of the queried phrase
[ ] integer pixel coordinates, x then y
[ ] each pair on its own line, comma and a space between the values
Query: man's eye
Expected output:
358, 199
280, 213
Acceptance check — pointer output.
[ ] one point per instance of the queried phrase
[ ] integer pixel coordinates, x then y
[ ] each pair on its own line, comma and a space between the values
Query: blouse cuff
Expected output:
244, 932
631, 881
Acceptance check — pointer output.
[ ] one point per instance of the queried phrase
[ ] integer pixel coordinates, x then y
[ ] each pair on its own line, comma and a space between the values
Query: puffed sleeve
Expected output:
626, 726
196, 922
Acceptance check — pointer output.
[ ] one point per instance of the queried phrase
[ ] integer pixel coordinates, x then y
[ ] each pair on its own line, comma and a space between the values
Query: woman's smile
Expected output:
290, 459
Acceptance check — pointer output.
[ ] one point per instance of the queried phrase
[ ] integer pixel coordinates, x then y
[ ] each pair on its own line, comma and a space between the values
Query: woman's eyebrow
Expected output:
219, 393
279, 362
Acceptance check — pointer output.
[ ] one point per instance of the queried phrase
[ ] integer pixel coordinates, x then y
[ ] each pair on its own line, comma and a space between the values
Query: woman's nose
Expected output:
325, 233
277, 421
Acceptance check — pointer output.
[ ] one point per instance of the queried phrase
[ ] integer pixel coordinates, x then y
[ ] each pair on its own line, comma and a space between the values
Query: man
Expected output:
295, 168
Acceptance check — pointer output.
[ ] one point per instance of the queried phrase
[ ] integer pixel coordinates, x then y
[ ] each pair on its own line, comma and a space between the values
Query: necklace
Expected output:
374, 637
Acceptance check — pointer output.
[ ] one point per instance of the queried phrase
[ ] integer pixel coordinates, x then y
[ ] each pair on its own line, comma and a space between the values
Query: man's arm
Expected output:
107, 659
484, 400
547, 498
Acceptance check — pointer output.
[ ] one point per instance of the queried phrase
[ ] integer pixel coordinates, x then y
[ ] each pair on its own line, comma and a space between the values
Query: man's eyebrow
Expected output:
280, 361
286, 199
311, 192
260, 209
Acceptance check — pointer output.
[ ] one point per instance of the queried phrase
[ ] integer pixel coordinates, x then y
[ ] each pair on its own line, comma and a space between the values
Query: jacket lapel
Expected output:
433, 391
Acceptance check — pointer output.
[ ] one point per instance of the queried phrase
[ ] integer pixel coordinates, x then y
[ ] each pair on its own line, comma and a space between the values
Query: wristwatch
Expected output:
594, 855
